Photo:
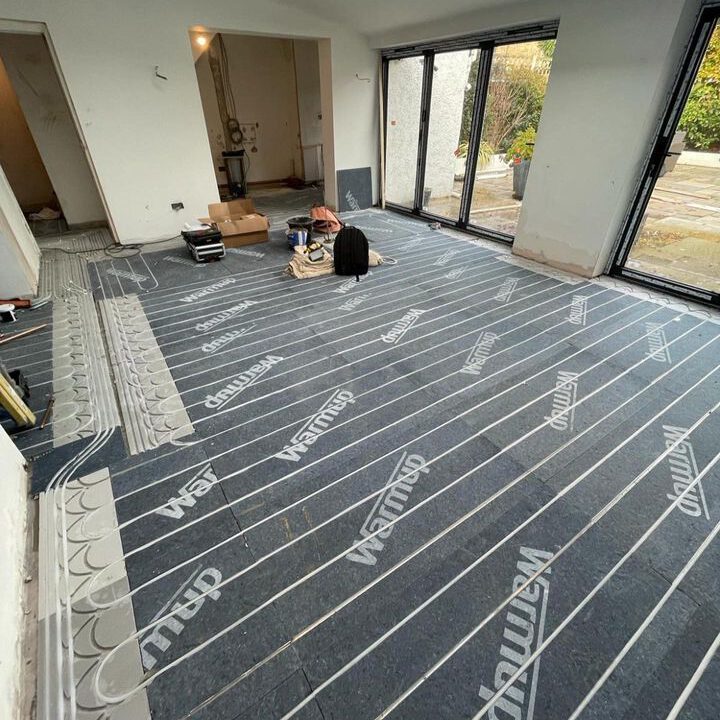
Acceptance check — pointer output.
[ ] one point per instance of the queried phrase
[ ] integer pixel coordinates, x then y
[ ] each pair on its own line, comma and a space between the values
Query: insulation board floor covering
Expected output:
462, 487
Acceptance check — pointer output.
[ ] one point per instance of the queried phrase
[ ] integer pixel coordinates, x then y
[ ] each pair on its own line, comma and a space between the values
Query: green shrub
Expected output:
485, 152
701, 117
514, 101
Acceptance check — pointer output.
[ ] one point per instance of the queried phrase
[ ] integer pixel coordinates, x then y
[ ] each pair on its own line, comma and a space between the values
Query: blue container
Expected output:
296, 236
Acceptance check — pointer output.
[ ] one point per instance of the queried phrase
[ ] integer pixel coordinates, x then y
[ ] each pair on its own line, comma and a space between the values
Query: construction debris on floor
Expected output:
463, 486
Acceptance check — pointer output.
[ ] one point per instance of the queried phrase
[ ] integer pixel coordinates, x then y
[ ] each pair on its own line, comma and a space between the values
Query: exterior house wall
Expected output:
405, 83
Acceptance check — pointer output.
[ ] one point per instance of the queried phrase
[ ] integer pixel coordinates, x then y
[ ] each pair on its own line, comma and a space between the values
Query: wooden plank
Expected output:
14, 404
14, 336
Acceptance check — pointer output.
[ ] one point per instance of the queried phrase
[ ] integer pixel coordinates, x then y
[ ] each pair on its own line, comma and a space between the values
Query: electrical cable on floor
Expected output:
116, 249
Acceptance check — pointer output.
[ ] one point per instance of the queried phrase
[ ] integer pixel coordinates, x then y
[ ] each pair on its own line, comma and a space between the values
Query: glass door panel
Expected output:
451, 108
679, 236
518, 79
403, 110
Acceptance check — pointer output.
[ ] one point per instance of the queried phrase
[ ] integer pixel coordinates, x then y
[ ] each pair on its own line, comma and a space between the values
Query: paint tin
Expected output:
296, 237
7, 313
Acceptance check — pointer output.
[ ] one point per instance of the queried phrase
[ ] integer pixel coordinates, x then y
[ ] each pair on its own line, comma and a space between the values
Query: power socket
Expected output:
177, 206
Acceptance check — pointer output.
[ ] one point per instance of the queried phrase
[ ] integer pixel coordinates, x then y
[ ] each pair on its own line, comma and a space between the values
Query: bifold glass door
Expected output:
516, 90
460, 126
451, 107
671, 238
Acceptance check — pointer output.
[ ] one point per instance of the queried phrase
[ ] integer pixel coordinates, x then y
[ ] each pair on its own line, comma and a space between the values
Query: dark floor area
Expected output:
459, 487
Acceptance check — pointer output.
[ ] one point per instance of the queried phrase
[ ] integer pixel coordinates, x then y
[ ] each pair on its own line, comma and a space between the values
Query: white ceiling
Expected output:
376, 16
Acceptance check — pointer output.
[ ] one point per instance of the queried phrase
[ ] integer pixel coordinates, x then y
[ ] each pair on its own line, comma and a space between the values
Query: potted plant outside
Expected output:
519, 154
484, 158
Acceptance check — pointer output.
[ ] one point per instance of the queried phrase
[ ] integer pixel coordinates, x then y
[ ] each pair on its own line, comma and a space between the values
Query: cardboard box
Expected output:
238, 222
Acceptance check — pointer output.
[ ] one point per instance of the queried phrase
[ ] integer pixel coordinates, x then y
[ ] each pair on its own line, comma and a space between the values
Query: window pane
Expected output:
518, 80
405, 78
451, 107
680, 234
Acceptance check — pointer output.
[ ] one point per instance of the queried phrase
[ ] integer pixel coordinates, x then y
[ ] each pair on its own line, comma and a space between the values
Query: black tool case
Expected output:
204, 245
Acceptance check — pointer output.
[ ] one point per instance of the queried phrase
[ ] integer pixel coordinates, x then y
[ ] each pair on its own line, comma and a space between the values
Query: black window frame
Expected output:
707, 19
485, 43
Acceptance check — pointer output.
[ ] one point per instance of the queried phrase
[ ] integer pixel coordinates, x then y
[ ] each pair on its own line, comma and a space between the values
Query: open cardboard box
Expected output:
238, 222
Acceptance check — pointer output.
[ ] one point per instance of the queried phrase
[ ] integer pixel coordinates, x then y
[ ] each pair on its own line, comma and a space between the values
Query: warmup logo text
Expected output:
197, 486
241, 382
354, 302
182, 261
309, 433
126, 275
506, 290
243, 251
657, 343
446, 257
683, 470
523, 634
157, 641
349, 285
352, 201
410, 244
456, 273
218, 343
221, 317
578, 310
401, 326
387, 231
388, 507
209, 290
479, 353
564, 397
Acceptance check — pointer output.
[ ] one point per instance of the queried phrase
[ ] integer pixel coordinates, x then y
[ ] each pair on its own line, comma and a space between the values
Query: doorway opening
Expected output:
41, 152
461, 119
261, 99
671, 237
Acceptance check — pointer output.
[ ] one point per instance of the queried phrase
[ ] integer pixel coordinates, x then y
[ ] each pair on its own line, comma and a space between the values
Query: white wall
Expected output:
13, 514
507, 14
612, 70
41, 97
610, 77
19, 157
146, 137
307, 73
20, 266
354, 108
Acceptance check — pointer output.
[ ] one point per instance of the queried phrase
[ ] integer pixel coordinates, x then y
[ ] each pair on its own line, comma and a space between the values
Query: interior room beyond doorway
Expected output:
41, 152
262, 104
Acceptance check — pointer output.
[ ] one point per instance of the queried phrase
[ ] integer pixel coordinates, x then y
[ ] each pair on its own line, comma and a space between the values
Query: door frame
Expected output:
693, 56
485, 43
29, 27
